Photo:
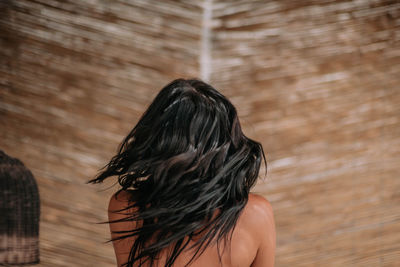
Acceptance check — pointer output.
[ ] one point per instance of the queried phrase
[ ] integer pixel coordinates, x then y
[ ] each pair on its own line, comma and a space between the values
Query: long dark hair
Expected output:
186, 160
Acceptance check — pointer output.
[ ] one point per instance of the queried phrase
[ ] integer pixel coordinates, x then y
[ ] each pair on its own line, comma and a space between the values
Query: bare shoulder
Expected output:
118, 201
258, 217
259, 209
260, 222
118, 215
119, 210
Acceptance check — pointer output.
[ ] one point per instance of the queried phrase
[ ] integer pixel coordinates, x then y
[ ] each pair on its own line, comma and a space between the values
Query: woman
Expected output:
186, 170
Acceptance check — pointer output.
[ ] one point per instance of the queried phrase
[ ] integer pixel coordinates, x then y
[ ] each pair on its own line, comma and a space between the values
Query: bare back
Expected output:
253, 240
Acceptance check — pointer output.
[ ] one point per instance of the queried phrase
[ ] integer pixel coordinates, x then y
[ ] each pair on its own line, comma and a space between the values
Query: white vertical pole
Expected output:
205, 54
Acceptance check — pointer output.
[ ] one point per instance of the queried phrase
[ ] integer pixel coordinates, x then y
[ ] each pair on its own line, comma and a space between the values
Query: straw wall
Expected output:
316, 82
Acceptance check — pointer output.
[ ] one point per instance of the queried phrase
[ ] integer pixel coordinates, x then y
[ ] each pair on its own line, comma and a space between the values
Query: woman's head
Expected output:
186, 158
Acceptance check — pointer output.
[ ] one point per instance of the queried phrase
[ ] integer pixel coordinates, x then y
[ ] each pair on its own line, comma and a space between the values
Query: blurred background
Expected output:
317, 82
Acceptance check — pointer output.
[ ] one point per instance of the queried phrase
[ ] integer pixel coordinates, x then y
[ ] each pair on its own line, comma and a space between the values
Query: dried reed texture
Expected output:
319, 83
316, 81
75, 77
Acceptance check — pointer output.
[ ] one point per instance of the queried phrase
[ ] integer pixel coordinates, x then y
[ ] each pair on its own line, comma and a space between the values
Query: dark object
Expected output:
19, 213
186, 159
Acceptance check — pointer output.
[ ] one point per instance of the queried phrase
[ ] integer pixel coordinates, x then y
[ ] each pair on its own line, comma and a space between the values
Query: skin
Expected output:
253, 240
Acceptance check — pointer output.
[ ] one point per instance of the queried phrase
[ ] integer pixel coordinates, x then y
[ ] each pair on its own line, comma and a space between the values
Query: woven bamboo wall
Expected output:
319, 84
316, 81
75, 78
